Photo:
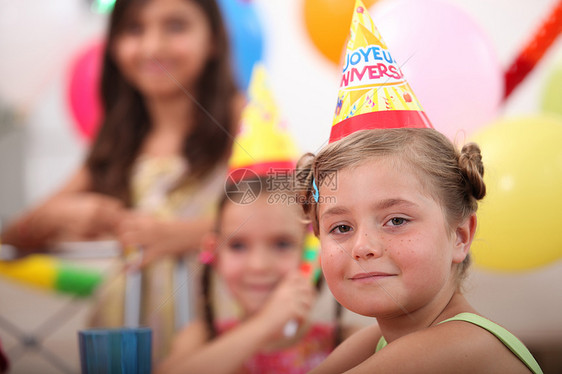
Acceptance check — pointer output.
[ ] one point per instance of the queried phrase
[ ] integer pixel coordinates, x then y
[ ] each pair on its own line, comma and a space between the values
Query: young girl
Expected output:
395, 210
155, 171
257, 249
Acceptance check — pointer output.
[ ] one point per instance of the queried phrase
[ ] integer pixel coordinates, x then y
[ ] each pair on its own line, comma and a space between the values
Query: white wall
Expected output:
38, 40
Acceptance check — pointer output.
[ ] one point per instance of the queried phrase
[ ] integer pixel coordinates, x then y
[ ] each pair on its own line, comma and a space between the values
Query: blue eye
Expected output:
341, 229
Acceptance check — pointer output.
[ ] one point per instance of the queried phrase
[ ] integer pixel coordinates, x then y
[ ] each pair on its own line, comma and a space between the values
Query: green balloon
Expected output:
552, 94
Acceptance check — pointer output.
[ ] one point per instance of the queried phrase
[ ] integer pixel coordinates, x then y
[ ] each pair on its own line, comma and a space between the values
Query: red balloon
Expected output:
83, 90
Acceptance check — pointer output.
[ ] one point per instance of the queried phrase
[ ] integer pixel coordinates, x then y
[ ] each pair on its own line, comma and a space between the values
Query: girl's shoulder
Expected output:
454, 345
349, 330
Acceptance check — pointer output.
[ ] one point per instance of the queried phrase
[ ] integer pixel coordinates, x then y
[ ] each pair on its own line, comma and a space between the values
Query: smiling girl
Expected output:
256, 252
395, 238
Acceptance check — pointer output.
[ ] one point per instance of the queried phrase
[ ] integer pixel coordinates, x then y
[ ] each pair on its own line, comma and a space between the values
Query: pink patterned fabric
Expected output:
300, 358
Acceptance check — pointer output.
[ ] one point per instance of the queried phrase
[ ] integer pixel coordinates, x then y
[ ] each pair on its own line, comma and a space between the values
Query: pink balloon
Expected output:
449, 62
83, 90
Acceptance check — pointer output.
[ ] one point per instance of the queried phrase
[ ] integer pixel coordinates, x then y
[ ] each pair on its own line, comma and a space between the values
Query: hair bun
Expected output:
472, 168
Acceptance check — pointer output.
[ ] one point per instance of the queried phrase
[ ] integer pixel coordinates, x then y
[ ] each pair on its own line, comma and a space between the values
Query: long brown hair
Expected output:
126, 123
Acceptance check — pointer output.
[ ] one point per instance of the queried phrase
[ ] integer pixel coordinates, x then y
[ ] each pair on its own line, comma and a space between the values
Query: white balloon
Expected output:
34, 42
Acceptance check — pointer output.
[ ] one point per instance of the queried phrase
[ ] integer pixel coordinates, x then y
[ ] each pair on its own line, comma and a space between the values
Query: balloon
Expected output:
82, 92
34, 40
519, 219
103, 6
552, 94
327, 23
449, 62
245, 35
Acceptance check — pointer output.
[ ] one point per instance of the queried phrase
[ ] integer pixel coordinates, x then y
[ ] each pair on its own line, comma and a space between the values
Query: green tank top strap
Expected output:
507, 338
381, 344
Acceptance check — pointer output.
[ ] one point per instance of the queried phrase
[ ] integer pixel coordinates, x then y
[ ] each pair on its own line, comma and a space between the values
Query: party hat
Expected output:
263, 143
373, 92
310, 268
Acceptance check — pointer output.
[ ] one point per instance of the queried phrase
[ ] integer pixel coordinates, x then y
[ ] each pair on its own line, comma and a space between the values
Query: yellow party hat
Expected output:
373, 91
263, 143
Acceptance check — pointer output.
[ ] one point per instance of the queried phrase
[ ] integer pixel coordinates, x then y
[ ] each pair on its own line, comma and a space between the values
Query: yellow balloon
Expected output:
328, 23
552, 95
520, 219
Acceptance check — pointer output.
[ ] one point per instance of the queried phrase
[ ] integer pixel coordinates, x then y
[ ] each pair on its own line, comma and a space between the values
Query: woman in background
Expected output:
156, 169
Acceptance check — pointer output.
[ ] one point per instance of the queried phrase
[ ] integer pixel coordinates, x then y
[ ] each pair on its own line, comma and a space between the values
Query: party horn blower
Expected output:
46, 272
310, 267
534, 50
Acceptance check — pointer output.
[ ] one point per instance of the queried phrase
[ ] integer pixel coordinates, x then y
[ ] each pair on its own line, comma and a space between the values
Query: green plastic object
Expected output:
77, 281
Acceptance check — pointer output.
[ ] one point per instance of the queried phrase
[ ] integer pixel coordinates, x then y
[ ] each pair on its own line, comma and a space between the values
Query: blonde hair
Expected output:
453, 178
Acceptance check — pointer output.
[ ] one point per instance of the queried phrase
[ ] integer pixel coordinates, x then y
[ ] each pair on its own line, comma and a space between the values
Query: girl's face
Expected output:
386, 249
258, 245
163, 43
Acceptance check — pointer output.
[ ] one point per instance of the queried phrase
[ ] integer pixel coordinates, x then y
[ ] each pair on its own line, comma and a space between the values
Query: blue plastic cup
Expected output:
113, 351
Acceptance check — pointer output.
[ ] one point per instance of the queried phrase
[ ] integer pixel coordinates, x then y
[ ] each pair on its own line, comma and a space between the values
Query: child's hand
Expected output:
154, 236
85, 215
291, 300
